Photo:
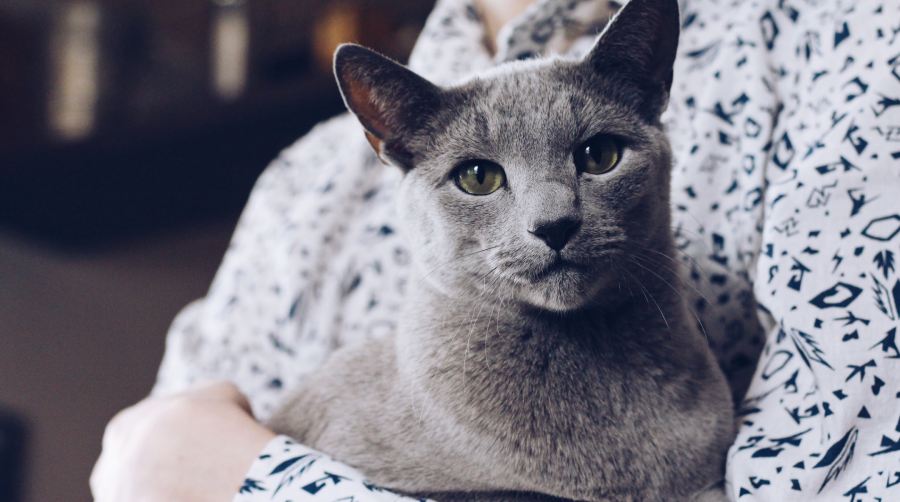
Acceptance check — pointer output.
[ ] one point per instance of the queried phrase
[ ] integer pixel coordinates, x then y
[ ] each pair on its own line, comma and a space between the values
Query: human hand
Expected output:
195, 446
497, 13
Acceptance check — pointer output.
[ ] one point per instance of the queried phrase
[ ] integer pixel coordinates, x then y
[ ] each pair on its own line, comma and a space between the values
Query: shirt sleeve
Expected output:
287, 471
821, 417
268, 317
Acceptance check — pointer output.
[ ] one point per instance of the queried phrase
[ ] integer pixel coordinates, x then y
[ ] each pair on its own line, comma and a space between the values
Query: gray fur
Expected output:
505, 381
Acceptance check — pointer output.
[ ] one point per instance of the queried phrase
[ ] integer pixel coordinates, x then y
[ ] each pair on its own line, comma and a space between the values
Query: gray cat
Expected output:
545, 351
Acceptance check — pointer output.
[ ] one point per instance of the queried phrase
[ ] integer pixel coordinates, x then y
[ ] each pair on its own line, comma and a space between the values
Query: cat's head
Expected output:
533, 180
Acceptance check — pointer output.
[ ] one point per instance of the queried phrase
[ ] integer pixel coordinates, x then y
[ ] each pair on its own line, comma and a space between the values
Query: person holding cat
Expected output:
780, 119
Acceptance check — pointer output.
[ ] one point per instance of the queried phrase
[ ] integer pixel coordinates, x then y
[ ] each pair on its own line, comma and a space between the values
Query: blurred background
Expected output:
131, 132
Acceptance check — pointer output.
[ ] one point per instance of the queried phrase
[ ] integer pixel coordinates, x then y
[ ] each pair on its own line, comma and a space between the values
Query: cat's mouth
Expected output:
556, 266
560, 284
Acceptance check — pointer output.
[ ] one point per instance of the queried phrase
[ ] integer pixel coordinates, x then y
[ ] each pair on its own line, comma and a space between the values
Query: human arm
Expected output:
197, 445
192, 446
497, 13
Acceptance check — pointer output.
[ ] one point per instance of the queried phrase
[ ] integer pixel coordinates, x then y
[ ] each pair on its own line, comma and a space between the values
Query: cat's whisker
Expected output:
484, 277
494, 284
458, 258
672, 258
618, 277
500, 307
496, 328
484, 291
675, 271
608, 264
694, 261
457, 324
680, 294
693, 237
643, 260
649, 296
635, 280
473, 253
680, 228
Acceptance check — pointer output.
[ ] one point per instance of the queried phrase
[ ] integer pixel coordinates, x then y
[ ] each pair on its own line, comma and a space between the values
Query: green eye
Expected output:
479, 177
598, 155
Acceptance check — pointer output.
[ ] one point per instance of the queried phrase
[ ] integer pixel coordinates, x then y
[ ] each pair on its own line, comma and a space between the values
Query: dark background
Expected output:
131, 132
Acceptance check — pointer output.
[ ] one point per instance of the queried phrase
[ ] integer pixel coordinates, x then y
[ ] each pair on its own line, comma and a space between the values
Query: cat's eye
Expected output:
598, 155
479, 177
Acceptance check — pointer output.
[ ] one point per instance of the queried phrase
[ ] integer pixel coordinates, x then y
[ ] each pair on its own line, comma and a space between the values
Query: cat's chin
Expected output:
561, 303
564, 292
556, 304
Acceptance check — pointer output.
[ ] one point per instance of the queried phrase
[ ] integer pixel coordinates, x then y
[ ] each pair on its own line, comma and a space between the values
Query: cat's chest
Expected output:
549, 375
553, 408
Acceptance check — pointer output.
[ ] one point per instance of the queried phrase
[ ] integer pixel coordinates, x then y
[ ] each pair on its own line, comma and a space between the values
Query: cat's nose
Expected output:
556, 233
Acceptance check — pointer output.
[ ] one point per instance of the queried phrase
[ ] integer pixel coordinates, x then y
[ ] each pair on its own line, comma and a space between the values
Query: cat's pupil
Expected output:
479, 177
598, 155
480, 174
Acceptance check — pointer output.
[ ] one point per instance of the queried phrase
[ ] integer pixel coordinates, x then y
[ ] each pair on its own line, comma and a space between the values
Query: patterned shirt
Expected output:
785, 123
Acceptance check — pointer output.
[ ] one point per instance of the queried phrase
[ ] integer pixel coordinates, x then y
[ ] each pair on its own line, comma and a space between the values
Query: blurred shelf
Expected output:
109, 187
12, 457
129, 115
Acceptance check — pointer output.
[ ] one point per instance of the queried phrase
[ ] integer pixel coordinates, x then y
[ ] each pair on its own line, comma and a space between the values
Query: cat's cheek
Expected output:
472, 214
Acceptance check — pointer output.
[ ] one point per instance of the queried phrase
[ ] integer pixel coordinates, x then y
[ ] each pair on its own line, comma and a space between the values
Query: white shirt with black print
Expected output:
785, 124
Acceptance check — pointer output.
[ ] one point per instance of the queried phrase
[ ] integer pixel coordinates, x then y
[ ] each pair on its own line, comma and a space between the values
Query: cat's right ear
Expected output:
390, 101
638, 47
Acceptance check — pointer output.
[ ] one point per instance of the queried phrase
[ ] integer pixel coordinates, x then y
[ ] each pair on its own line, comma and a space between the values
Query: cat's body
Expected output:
545, 349
587, 409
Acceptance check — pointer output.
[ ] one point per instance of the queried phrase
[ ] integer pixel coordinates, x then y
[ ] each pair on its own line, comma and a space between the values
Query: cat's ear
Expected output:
391, 101
639, 45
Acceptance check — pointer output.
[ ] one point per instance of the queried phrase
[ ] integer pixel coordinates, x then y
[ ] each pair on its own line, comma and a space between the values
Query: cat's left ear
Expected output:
638, 48
391, 101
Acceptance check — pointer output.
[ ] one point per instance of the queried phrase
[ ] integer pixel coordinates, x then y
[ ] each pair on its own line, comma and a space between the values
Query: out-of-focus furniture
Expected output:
12, 444
124, 114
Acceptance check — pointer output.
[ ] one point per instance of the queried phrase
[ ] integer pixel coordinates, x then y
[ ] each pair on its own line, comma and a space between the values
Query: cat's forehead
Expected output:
544, 102
524, 83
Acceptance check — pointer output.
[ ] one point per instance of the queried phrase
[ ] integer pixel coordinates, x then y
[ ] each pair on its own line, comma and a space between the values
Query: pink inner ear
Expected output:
376, 143
368, 113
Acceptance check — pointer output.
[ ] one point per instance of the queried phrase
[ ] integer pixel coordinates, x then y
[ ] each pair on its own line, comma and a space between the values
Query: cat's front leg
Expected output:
492, 497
